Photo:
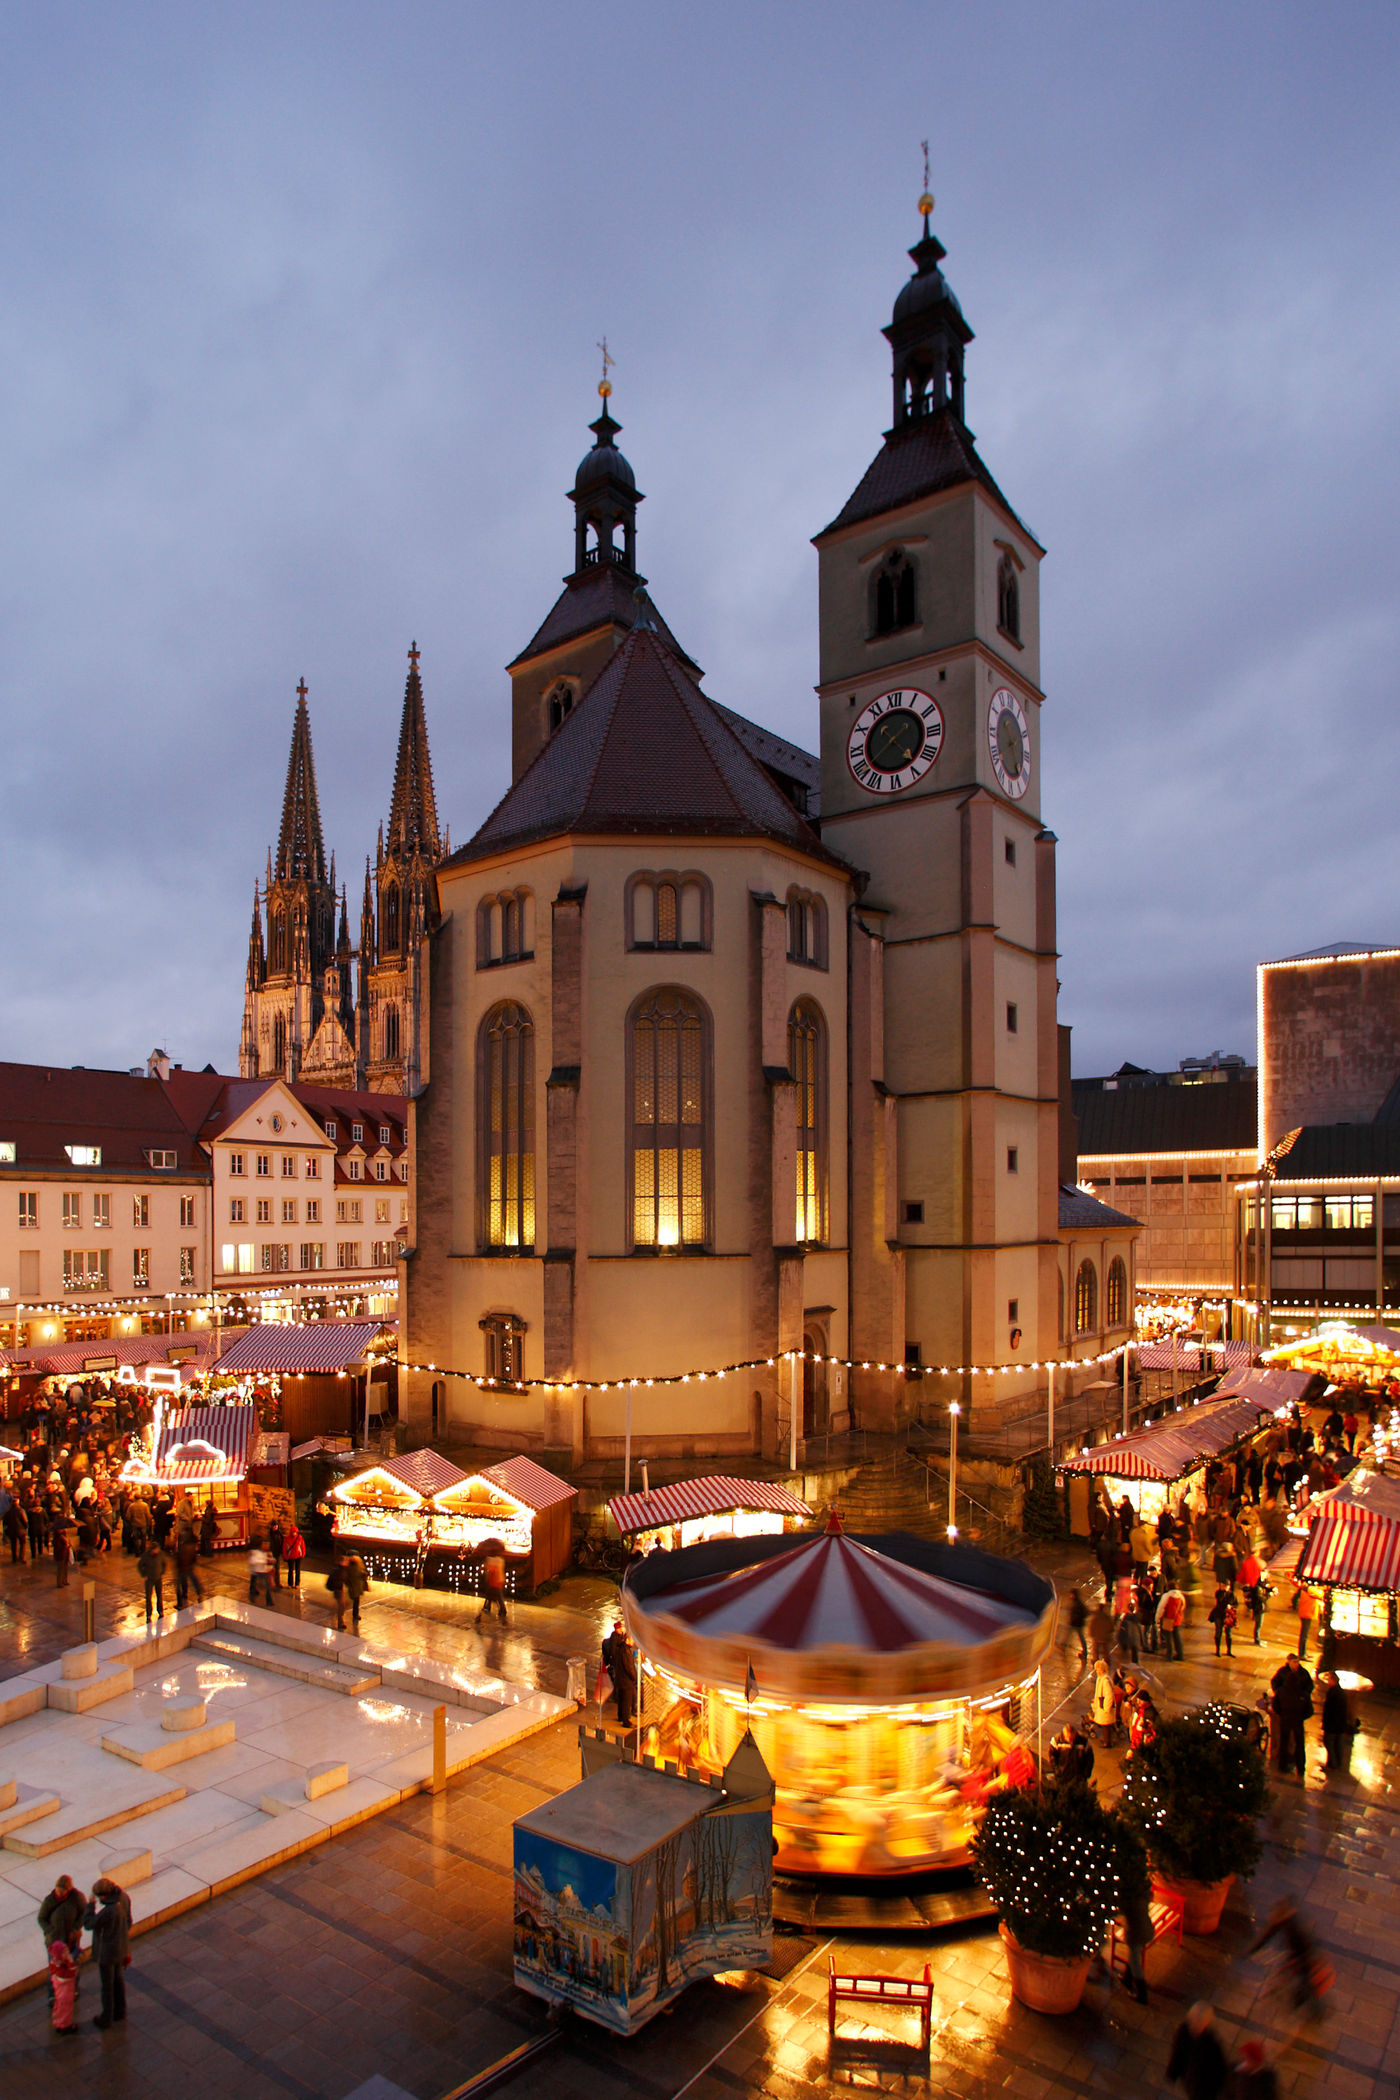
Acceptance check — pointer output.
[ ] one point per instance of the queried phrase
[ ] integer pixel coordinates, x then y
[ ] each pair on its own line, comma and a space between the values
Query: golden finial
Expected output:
605, 384
926, 201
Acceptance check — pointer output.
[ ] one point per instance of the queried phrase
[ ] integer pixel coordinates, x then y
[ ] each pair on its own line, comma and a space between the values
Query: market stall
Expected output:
1346, 1355
423, 1520
1273, 1387
1144, 1465
884, 1682
201, 1452
713, 1507
1352, 1554
322, 1370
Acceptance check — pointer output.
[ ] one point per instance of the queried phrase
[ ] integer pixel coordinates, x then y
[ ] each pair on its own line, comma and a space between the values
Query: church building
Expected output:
315, 1008
733, 1050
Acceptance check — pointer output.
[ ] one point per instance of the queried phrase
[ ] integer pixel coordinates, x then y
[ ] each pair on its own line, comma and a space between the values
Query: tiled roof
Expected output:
529, 1483
1217, 1116
775, 751
601, 596
45, 1107
325, 1345
1085, 1213
644, 751
1345, 1149
934, 453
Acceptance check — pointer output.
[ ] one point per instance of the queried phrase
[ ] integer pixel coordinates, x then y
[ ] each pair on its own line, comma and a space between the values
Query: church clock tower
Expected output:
930, 749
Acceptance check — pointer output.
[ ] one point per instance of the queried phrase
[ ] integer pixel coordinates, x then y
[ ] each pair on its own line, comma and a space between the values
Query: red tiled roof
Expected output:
712, 1495
326, 1345
644, 751
529, 1483
45, 1107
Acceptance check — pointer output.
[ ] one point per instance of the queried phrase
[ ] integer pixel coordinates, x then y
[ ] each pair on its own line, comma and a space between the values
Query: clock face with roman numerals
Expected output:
894, 740
1009, 743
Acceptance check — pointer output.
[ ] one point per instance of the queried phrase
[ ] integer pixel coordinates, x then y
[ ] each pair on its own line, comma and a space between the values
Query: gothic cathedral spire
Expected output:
283, 1009
413, 824
301, 851
404, 909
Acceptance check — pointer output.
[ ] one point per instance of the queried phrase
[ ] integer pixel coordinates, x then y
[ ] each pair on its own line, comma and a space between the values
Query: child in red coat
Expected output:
63, 1975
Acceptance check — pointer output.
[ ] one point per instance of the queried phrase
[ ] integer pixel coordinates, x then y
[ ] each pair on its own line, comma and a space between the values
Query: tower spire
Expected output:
301, 850
413, 823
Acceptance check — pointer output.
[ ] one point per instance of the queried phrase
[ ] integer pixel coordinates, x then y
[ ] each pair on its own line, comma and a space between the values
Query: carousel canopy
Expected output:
713, 1495
836, 1619
1341, 1352
321, 1345
1174, 1446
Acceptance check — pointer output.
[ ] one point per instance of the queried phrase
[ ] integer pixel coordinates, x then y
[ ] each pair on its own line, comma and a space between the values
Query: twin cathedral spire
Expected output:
315, 1008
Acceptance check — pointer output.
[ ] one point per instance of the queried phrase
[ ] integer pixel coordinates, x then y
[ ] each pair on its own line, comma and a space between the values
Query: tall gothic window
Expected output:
1117, 1293
806, 928
279, 1042
1086, 1298
807, 1064
1008, 598
277, 944
505, 1069
391, 1031
670, 1094
560, 703
896, 604
390, 942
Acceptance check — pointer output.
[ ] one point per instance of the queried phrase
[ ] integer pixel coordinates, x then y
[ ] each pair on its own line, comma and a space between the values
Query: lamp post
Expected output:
954, 1410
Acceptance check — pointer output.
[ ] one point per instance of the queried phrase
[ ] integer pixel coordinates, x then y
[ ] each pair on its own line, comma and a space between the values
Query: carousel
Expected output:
886, 1687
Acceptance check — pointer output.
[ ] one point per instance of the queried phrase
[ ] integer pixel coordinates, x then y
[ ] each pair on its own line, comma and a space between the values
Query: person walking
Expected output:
259, 1578
1197, 2062
1337, 1728
152, 1567
109, 1922
1306, 1606
356, 1584
1077, 1618
617, 1654
1171, 1614
276, 1538
1140, 1546
293, 1554
62, 1553
493, 1577
1100, 1630
1128, 1637
187, 1570
208, 1529
16, 1529
1223, 1617
1292, 1691
1103, 1704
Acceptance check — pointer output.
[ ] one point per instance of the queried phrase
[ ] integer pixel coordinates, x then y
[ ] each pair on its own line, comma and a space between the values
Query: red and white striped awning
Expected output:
1272, 1387
322, 1345
205, 1443
529, 1483
715, 1494
1168, 1449
193, 1349
1189, 1356
1352, 1550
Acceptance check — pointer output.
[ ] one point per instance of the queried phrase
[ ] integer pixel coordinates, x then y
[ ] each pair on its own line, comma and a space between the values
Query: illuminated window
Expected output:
505, 1346
669, 1091
807, 1064
505, 1068
84, 1155
7, 1152
806, 929
245, 1258
277, 1255
381, 1210
141, 1213
72, 1210
383, 1254
102, 1213
29, 1210
187, 1265
313, 1254
1086, 1298
141, 1268
403, 1210
668, 911
1116, 1294
85, 1269
187, 1210
347, 1254
313, 1167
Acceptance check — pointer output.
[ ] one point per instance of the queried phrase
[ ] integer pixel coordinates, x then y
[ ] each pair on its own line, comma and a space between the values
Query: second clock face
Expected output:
1009, 743
894, 740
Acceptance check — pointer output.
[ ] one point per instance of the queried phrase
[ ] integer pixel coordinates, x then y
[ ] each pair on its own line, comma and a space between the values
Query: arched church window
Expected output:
279, 1042
390, 942
806, 928
277, 944
895, 594
505, 928
1086, 1298
807, 1064
668, 1043
1116, 1295
1060, 1307
505, 1071
391, 1030
1008, 598
559, 703
668, 911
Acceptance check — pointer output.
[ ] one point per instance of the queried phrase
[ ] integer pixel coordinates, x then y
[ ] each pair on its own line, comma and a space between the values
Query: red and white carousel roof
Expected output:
834, 1621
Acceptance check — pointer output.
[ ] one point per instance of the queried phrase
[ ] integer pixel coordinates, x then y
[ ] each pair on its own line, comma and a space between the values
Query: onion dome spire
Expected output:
605, 494
927, 332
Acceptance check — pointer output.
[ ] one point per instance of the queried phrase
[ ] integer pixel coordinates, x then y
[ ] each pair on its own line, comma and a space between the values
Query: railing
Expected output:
605, 557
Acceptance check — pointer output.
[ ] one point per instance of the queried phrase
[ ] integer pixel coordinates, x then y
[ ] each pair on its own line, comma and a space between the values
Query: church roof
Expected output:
301, 850
597, 597
644, 751
1080, 1212
413, 824
921, 458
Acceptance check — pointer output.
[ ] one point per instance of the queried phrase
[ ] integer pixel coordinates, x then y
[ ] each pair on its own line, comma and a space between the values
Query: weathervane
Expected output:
605, 384
926, 200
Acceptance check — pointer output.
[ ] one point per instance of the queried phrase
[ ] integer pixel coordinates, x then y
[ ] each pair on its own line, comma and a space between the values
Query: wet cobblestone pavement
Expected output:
389, 1950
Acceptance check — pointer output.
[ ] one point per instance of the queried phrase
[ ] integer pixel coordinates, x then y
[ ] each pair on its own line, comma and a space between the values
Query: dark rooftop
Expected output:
1211, 1116
935, 452
1082, 1212
1343, 1151
599, 597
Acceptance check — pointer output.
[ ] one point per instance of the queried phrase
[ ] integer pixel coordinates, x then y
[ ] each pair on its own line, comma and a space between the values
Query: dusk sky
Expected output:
298, 308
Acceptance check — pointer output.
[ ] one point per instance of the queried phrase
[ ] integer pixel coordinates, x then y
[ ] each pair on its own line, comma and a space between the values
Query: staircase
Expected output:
887, 1494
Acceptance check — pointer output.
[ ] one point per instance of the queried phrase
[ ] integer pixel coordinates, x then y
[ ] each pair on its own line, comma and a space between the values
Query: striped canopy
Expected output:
1176, 1445
1192, 1356
320, 1345
205, 1443
528, 1483
832, 1619
1353, 1555
715, 1494
1272, 1388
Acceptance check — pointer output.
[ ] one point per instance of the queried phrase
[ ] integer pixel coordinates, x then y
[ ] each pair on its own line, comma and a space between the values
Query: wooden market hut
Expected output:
1352, 1554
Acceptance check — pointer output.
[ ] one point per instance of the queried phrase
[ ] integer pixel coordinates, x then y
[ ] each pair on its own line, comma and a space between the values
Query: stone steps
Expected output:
301, 1664
71, 1821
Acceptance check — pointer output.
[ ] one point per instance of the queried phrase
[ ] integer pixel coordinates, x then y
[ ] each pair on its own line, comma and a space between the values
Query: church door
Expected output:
816, 1402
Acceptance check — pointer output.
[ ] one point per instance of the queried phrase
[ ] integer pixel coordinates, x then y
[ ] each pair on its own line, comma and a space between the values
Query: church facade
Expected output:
735, 1051
316, 1008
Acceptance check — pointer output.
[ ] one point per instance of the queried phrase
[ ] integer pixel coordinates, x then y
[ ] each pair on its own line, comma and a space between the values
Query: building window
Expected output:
1013, 1160
85, 1269
893, 593
263, 1164
347, 1254
187, 1210
668, 1047
277, 945
313, 1210
381, 1210
391, 1030
1008, 597
264, 1216
914, 1213
393, 927
1060, 1306
7, 1152
235, 1163
289, 1210
806, 929
357, 1133
403, 1170
141, 1268
161, 1159
505, 929
276, 1255
383, 1254
1013, 1311
403, 1210
505, 1067
381, 1170
141, 1213
505, 1347
1116, 1294
386, 1135
102, 1213
72, 1210
330, 1129
313, 1254
84, 1155
807, 1064
28, 1210
1010, 853
354, 1170
559, 703
313, 1167
279, 1042
1012, 1017
289, 1166
668, 910
348, 1213
187, 1265
237, 1211
1086, 1298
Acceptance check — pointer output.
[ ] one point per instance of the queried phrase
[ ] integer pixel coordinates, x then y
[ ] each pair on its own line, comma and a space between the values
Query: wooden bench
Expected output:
907, 1993
1166, 1919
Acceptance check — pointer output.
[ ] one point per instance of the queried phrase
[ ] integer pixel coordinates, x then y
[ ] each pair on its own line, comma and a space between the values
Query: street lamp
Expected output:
954, 1410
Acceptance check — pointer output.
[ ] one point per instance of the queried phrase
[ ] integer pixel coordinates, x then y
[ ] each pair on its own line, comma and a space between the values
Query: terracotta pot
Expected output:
1047, 1983
1201, 1901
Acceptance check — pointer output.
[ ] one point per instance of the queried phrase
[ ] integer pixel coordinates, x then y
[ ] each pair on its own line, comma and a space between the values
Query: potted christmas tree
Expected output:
1058, 1866
1194, 1792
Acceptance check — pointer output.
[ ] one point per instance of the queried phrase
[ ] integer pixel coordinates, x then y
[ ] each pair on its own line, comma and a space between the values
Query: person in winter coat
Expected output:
1137, 1938
208, 1529
152, 1567
1128, 1638
63, 1986
1306, 1607
187, 1570
109, 1922
276, 1539
1103, 1704
1077, 1618
1140, 1546
1292, 1691
259, 1572
493, 1580
617, 1654
356, 1584
1336, 1723
1100, 1630
293, 1554
1171, 1615
62, 1553
1224, 1614
1197, 2062
1254, 2077
1071, 1757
